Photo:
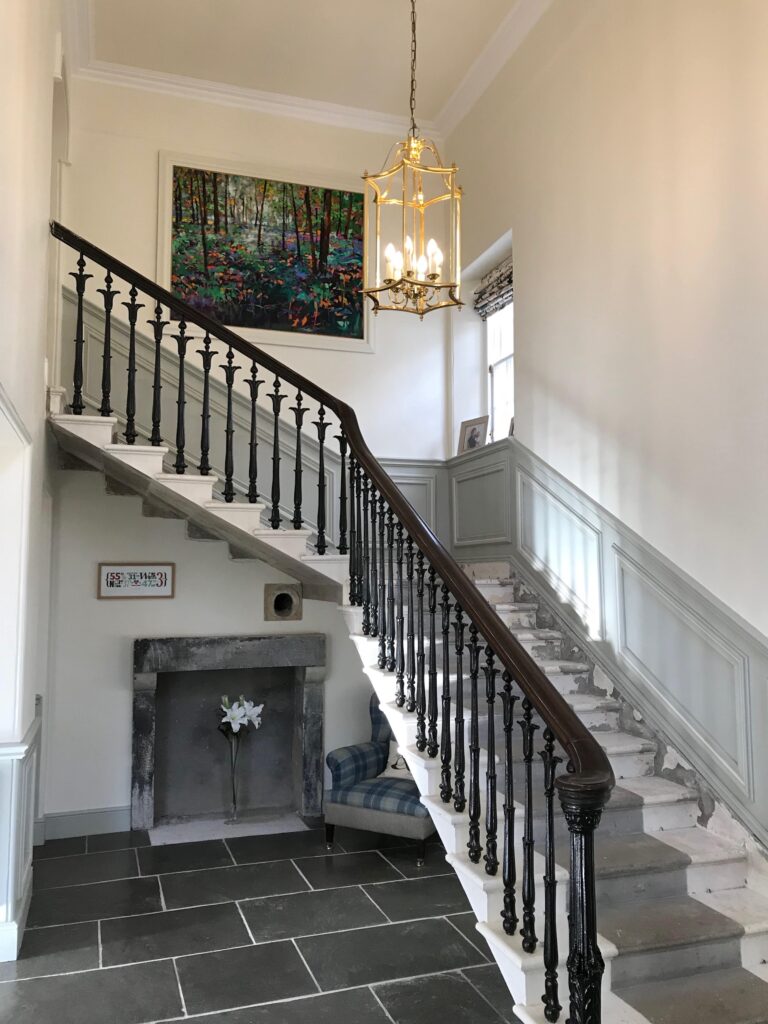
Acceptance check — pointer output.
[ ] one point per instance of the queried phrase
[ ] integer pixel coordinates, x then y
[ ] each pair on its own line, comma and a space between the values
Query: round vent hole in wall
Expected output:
282, 601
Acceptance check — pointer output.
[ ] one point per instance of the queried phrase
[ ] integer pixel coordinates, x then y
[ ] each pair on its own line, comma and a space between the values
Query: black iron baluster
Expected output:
229, 460
528, 930
421, 693
341, 547
181, 345
352, 532
432, 745
374, 613
105, 409
459, 798
382, 659
366, 561
446, 790
253, 441
206, 356
491, 815
320, 545
133, 308
298, 414
473, 846
585, 962
410, 671
81, 278
509, 867
399, 624
277, 400
552, 1006
357, 513
158, 325
390, 662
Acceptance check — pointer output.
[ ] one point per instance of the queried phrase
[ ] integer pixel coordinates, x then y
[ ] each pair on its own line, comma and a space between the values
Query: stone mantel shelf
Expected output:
200, 653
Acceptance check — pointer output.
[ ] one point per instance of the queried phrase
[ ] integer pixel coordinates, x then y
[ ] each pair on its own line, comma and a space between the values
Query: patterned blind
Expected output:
495, 291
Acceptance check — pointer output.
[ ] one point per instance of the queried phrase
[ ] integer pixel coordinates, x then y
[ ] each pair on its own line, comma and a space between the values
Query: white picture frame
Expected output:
472, 434
120, 581
257, 336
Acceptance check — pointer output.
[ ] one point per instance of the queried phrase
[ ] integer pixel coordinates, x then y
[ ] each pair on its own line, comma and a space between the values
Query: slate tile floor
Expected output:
255, 930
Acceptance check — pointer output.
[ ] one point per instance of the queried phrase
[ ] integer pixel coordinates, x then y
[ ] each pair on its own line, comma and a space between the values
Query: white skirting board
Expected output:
18, 790
65, 824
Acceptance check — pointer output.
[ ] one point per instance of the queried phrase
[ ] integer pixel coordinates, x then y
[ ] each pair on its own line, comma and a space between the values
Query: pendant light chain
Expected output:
414, 130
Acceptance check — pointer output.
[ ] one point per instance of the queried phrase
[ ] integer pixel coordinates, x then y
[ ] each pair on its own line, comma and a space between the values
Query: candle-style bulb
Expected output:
421, 267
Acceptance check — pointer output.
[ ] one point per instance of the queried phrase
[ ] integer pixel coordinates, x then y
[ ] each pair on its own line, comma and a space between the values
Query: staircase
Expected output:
490, 706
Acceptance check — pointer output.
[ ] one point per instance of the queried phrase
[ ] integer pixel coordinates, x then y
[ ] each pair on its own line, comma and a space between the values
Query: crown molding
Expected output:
507, 38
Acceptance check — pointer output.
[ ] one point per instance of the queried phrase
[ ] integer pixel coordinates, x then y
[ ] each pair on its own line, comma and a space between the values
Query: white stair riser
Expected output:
283, 540
754, 950
247, 517
631, 766
195, 488
497, 592
97, 430
702, 878
146, 460
518, 618
674, 962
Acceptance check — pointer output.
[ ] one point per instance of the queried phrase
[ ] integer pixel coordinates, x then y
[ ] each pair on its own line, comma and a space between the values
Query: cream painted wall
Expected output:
111, 198
626, 147
88, 727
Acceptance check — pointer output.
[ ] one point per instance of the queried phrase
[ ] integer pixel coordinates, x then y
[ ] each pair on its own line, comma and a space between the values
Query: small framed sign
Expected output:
136, 579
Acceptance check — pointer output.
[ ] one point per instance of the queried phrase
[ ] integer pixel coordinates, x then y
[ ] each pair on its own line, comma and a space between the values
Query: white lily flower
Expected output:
235, 716
253, 712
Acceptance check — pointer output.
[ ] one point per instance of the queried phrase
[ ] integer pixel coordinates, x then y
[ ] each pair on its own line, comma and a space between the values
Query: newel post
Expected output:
583, 806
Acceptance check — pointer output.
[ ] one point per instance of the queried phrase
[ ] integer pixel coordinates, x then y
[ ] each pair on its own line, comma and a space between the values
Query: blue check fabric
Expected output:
399, 796
353, 764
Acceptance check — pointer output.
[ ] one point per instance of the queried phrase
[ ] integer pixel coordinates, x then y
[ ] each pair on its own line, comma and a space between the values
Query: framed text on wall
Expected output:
136, 579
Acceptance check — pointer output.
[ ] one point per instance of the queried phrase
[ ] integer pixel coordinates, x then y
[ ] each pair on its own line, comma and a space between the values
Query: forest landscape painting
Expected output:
275, 255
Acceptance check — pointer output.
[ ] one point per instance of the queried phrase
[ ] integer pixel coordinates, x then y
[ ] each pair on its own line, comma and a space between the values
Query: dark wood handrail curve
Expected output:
589, 782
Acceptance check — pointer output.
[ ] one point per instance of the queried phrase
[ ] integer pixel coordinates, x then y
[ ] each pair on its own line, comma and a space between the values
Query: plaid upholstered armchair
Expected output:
362, 797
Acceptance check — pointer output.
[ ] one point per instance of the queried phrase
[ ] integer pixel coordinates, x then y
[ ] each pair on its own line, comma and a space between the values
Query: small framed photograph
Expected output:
511, 427
136, 579
472, 434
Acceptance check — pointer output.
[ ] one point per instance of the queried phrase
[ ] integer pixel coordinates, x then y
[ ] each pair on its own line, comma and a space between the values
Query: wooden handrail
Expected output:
589, 782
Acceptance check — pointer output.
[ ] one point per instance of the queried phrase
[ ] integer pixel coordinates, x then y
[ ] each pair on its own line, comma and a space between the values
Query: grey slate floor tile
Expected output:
240, 977
125, 995
309, 913
489, 981
129, 940
386, 953
60, 950
252, 849
59, 848
89, 902
439, 999
404, 859
83, 869
157, 860
118, 841
356, 1006
419, 897
466, 925
346, 869
194, 888
355, 840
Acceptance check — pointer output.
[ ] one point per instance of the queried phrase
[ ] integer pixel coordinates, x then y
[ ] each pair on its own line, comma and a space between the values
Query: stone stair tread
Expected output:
635, 853
653, 789
556, 665
731, 996
148, 448
745, 906
623, 743
664, 924
701, 846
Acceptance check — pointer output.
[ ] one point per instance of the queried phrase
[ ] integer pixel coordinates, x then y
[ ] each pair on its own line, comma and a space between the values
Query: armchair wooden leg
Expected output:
329, 831
421, 853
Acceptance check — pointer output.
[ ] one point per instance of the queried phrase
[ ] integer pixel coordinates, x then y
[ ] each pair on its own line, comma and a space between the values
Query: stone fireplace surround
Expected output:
304, 653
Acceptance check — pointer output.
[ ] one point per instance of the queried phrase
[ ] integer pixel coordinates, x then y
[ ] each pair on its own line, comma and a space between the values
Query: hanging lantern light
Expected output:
412, 223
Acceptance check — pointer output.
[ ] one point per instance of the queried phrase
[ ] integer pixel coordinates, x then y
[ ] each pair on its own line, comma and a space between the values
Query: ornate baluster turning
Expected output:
108, 294
491, 815
382, 659
473, 846
446, 790
206, 356
390, 648
509, 867
298, 413
459, 797
253, 439
410, 671
358, 514
399, 624
277, 400
321, 426
180, 464
133, 308
158, 326
374, 614
77, 377
432, 745
229, 430
366, 560
341, 547
528, 930
421, 693
552, 1006
352, 532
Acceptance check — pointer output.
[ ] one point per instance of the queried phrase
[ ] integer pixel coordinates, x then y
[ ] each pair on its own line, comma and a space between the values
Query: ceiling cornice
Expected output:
500, 47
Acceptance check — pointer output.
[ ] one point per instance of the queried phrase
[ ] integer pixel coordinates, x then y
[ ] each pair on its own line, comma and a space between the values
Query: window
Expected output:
501, 371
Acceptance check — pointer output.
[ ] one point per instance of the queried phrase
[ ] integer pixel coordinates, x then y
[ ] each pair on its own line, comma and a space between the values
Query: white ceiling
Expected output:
349, 52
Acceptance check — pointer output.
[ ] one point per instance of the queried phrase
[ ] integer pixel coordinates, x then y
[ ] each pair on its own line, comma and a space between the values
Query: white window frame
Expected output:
500, 430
